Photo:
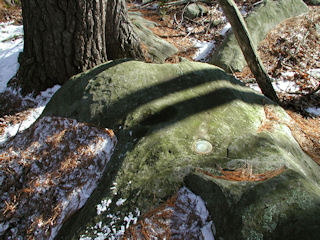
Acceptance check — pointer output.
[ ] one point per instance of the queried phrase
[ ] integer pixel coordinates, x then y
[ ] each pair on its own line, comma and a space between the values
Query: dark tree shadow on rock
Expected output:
118, 114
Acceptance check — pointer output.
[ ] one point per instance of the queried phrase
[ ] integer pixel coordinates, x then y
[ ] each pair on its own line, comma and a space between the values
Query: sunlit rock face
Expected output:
191, 124
47, 172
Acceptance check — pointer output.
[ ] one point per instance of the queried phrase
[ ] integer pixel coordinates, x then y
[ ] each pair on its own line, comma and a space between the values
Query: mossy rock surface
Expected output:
284, 207
158, 113
262, 20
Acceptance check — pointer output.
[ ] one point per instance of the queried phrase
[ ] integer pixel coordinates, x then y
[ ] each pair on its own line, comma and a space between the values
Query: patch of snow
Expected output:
315, 72
279, 86
3, 227
194, 206
120, 201
289, 74
243, 12
41, 100
207, 231
314, 111
11, 44
285, 86
154, 6
102, 207
112, 231
190, 29
65, 159
225, 29
204, 50
184, 217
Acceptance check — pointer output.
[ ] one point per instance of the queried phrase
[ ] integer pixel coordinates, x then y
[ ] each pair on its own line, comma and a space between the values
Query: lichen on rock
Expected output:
158, 111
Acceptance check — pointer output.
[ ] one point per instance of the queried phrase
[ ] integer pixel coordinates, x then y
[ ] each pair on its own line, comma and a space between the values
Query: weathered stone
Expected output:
47, 173
195, 10
158, 113
269, 14
283, 207
158, 49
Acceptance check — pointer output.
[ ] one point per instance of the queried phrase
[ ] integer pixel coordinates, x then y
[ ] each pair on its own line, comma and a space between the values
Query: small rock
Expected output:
315, 2
195, 10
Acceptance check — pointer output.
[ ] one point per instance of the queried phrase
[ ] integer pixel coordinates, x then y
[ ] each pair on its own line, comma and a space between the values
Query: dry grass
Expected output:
244, 174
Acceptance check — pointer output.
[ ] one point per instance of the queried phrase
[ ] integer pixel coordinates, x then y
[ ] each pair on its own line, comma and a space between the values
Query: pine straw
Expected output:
153, 224
180, 217
179, 30
14, 109
244, 174
306, 131
44, 171
307, 134
293, 46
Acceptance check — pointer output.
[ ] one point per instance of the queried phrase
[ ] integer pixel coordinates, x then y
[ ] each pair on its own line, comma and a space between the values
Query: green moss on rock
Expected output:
158, 112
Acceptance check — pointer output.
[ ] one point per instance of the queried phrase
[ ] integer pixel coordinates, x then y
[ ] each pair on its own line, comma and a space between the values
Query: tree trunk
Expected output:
121, 40
242, 35
63, 38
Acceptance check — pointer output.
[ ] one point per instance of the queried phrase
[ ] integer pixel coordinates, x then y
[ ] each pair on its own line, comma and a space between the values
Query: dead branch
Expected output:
245, 42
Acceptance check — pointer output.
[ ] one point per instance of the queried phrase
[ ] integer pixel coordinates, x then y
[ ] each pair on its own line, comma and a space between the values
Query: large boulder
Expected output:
191, 123
263, 19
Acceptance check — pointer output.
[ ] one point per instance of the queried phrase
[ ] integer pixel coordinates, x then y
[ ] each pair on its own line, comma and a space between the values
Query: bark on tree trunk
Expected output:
63, 38
121, 40
242, 35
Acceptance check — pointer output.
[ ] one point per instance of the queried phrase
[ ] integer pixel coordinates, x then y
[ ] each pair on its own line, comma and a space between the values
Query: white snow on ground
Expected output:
41, 100
187, 204
190, 206
285, 86
108, 228
185, 217
204, 50
314, 111
11, 43
315, 72
279, 86
225, 29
